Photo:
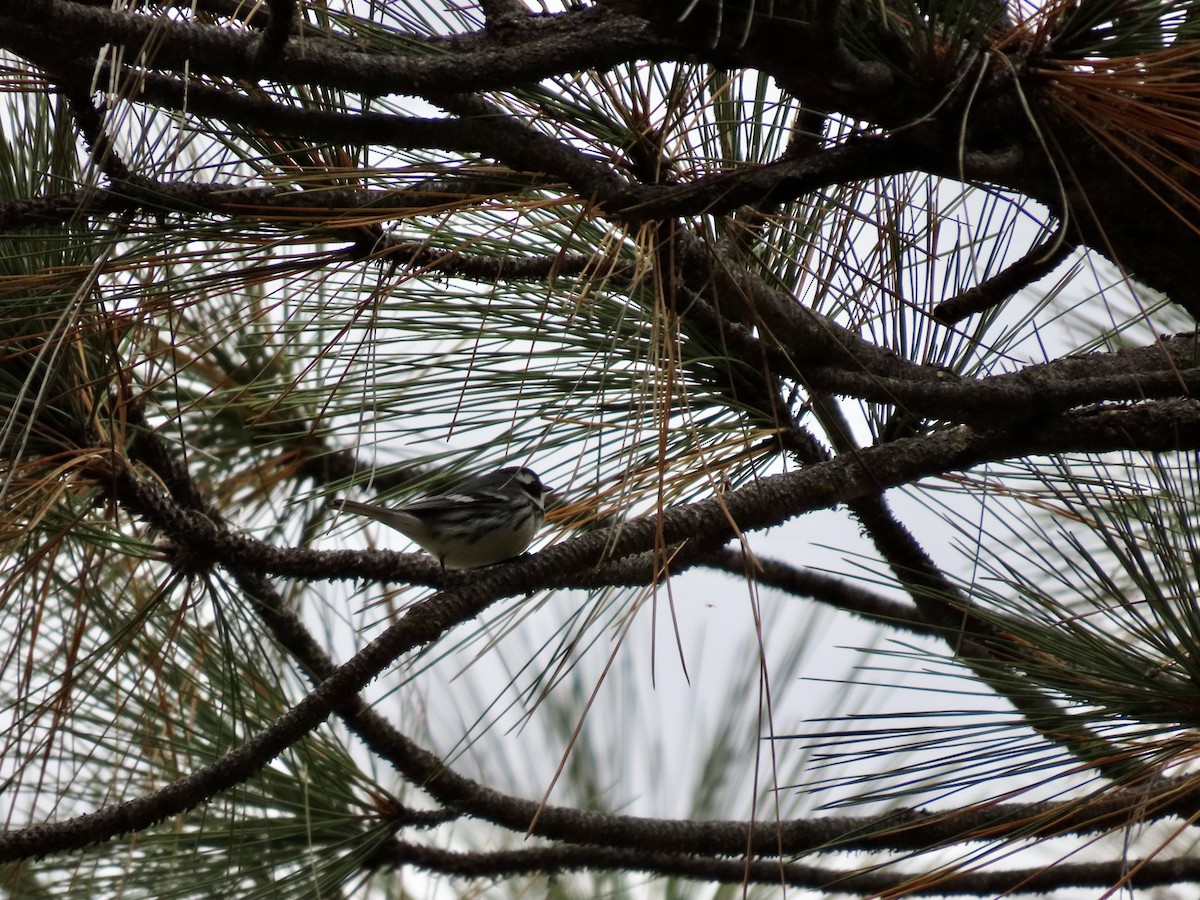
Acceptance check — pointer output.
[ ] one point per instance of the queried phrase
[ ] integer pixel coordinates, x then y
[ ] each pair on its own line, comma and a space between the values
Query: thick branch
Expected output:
769, 502
706, 525
502, 137
570, 42
766, 502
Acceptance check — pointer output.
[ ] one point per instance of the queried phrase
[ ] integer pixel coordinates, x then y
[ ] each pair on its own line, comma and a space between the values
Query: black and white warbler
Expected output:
483, 520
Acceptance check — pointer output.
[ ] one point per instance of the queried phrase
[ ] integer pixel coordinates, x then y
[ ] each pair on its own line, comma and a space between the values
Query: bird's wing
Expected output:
478, 501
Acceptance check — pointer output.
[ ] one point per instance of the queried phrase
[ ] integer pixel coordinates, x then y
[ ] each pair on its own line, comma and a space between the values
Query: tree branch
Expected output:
462, 63
1041, 260
496, 134
706, 525
821, 588
1135, 873
275, 35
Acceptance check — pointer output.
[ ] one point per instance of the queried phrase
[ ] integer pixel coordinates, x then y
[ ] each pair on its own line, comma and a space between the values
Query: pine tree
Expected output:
857, 340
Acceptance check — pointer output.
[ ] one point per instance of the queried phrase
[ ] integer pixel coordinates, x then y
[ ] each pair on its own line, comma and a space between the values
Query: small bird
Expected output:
483, 520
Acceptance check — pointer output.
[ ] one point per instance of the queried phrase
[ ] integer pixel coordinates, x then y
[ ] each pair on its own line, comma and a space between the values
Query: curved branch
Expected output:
529, 49
1166, 369
800, 344
706, 525
703, 525
1040, 261
859, 158
821, 588
469, 62
835, 359
499, 135
1134, 873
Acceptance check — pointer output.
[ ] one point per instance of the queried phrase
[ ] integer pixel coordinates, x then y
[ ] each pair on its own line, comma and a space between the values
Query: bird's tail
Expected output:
370, 510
